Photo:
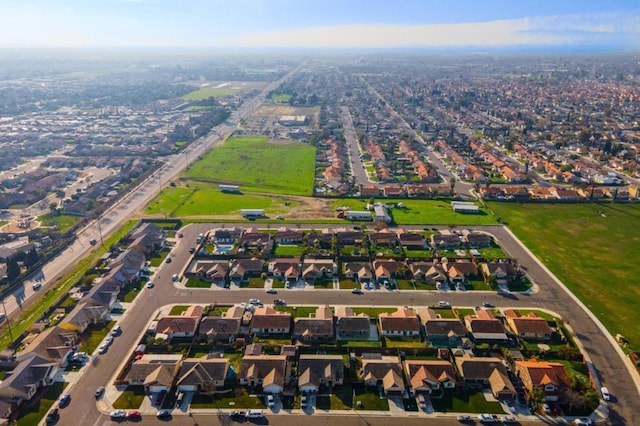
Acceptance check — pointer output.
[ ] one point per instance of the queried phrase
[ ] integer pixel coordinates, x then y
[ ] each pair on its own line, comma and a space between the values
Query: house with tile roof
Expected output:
317, 328
529, 326
402, 323
442, 332
224, 328
315, 371
352, 326
425, 376
484, 327
156, 372
385, 371
266, 321
202, 375
266, 371
551, 377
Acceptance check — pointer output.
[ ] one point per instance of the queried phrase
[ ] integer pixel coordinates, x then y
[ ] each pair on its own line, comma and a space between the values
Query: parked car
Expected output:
444, 304
103, 348
179, 234
464, 418
118, 415
134, 415
255, 301
175, 277
583, 421
149, 284
99, 392
237, 414
52, 417
546, 408
487, 418
279, 302
115, 331
163, 414
167, 260
488, 305
160, 397
605, 393
271, 401
192, 250
64, 400
509, 420
36, 286
271, 291
356, 291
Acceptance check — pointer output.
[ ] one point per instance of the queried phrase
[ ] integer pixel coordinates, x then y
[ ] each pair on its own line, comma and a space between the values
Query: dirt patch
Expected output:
266, 110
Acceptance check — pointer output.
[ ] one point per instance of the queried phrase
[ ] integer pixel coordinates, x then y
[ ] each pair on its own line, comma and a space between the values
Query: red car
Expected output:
134, 415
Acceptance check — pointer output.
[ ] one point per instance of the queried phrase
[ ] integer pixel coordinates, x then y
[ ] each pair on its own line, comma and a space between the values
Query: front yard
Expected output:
130, 398
32, 412
341, 398
367, 398
93, 336
464, 401
197, 283
348, 284
238, 397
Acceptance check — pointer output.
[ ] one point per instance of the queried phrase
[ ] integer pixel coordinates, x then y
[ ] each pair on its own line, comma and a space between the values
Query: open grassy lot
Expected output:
202, 200
593, 249
32, 412
288, 250
281, 97
419, 212
257, 165
207, 92
62, 222
465, 401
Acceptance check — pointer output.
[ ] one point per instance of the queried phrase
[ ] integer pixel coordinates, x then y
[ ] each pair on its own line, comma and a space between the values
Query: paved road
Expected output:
353, 150
610, 367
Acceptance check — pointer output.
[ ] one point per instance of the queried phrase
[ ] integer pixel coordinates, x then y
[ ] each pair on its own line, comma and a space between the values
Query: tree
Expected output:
31, 258
537, 399
53, 207
452, 184
13, 269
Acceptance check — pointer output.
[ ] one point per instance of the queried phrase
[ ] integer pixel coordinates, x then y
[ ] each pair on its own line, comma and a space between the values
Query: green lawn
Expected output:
285, 251
297, 311
31, 413
359, 343
277, 283
576, 241
445, 312
237, 398
465, 401
197, 283
367, 399
208, 92
414, 285
341, 398
420, 212
94, 335
218, 311
158, 257
281, 97
493, 253
130, 399
348, 284
404, 343
178, 309
62, 222
254, 282
418, 254
258, 165
133, 291
373, 312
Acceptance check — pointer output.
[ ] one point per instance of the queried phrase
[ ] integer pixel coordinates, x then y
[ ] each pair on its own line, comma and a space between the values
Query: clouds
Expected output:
300, 24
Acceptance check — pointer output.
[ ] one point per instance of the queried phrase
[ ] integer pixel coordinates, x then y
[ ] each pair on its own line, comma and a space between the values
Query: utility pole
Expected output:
8, 321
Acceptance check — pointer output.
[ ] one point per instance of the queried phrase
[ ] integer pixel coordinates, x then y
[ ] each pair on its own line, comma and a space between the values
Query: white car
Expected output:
583, 422
487, 418
605, 393
255, 301
270, 401
103, 348
118, 414
149, 284
444, 304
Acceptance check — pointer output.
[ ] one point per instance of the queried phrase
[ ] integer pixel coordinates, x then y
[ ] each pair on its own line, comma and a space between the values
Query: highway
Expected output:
611, 368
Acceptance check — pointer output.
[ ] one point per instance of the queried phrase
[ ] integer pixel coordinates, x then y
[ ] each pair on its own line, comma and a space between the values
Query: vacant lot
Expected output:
208, 92
257, 165
592, 248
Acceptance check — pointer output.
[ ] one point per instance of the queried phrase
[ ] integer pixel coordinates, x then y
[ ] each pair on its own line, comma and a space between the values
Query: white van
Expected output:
255, 414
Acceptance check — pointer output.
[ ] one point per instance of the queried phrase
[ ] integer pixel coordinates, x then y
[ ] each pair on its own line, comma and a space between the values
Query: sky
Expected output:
579, 24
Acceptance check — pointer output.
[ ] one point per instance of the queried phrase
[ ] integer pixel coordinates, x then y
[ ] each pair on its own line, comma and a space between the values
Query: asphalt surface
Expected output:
610, 367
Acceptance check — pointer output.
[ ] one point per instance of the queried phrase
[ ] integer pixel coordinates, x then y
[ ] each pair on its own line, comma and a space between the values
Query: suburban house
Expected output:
485, 327
551, 377
131, 261
149, 235
242, 269
155, 372
425, 376
253, 238
226, 236
316, 328
202, 375
321, 240
121, 275
411, 240
460, 270
385, 371
288, 236
349, 238
486, 372
529, 326
402, 323
267, 321
504, 272
215, 271
477, 239
442, 332
104, 293
384, 238
184, 325
350, 325
384, 270
224, 328
83, 315
32, 373
53, 344
446, 241
317, 269
288, 269
360, 272
266, 371
429, 272
315, 371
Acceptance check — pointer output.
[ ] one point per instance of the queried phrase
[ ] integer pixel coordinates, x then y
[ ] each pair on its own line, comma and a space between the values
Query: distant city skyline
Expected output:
613, 25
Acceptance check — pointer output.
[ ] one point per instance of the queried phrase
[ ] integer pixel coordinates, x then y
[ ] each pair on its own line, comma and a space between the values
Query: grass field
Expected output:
62, 222
419, 212
32, 412
257, 165
281, 97
593, 249
207, 92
